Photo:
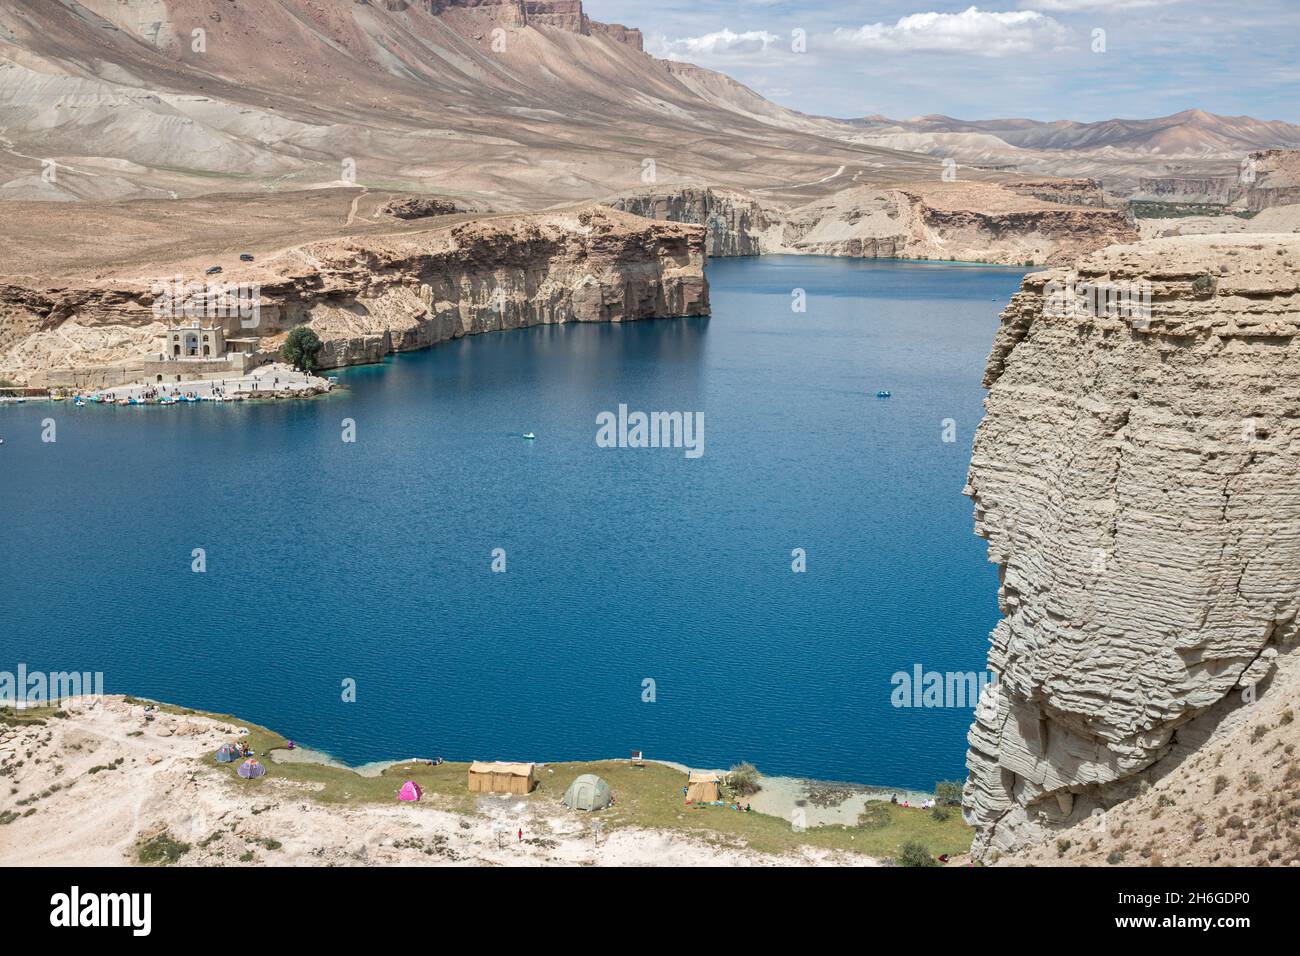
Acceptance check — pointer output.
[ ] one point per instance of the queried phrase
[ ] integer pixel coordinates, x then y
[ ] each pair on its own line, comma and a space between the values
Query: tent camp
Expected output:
227, 753
588, 792
497, 777
251, 768
702, 786
410, 791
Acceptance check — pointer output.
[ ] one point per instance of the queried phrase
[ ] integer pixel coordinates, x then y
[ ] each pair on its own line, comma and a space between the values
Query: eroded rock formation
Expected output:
1137, 478
367, 297
735, 222
964, 221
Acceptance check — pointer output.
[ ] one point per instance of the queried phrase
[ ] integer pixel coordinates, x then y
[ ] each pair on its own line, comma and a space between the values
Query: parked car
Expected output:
245, 257
213, 271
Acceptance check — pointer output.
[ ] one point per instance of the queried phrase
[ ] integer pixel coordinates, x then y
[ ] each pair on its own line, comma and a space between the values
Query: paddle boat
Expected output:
883, 394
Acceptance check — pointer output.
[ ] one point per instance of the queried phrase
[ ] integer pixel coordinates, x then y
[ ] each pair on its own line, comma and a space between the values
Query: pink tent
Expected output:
410, 791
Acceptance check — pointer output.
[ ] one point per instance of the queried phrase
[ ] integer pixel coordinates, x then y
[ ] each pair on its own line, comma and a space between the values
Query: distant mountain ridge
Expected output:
1192, 132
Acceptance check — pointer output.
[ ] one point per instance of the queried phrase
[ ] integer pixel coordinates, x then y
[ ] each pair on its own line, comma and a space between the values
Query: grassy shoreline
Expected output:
648, 797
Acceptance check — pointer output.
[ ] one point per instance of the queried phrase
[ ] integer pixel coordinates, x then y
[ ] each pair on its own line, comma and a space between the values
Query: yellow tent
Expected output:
702, 785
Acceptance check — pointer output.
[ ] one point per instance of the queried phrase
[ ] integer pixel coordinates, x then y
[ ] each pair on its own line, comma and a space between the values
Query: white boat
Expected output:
529, 435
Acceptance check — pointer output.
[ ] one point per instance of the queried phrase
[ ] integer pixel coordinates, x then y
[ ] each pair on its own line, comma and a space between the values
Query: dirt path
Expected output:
352, 210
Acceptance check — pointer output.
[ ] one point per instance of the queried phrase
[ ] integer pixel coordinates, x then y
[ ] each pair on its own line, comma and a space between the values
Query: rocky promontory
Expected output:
1036, 221
367, 296
1137, 477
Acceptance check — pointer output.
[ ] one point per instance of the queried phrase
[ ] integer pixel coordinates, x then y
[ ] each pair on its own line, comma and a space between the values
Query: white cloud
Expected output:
721, 43
1070, 6
972, 31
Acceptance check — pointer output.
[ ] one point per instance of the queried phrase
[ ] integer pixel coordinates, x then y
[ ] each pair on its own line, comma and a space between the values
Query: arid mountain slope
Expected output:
505, 102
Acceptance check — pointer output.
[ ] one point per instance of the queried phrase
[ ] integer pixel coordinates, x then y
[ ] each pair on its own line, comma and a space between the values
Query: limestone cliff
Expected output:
367, 297
1272, 179
964, 221
736, 223
1137, 478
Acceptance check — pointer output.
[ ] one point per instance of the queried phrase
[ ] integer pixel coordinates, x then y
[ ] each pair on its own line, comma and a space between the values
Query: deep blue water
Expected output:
371, 560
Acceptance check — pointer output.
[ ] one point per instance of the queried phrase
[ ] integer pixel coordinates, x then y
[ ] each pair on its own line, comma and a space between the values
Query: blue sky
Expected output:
1031, 58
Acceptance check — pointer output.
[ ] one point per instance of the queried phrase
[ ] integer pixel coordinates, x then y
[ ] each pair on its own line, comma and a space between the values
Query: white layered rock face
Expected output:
736, 224
1138, 482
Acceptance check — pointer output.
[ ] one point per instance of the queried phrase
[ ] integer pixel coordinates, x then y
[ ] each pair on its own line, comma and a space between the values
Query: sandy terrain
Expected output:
85, 789
824, 804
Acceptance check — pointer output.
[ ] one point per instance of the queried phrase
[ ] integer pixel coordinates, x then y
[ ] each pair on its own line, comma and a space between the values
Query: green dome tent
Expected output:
588, 792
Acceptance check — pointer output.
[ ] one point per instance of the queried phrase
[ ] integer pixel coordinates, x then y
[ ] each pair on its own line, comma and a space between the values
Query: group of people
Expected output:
925, 805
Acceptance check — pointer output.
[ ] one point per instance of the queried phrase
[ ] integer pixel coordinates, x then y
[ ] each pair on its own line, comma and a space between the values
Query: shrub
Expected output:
743, 779
161, 850
940, 814
914, 853
1115, 856
948, 792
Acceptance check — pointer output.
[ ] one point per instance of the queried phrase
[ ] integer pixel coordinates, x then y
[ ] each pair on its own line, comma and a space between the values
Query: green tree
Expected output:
301, 349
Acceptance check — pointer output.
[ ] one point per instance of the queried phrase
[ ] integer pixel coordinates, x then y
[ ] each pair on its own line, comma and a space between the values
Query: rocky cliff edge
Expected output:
1137, 477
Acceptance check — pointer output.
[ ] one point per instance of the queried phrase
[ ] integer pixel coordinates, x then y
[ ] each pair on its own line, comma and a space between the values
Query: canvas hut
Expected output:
498, 777
702, 786
588, 792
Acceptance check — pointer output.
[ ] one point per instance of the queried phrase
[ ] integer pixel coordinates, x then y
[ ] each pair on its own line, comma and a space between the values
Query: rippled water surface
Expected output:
371, 561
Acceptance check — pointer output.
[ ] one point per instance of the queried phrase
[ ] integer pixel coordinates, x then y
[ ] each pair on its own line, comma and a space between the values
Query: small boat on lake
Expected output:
530, 436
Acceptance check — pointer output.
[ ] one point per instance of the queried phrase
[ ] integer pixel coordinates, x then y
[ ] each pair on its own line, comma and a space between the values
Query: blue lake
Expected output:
372, 560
